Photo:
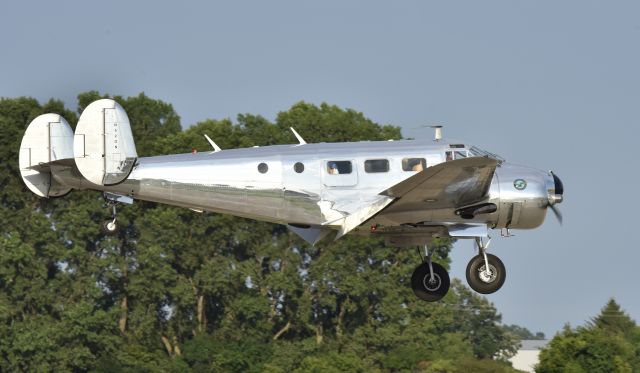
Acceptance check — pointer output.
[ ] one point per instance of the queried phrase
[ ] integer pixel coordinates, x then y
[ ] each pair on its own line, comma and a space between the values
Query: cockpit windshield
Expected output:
456, 154
477, 152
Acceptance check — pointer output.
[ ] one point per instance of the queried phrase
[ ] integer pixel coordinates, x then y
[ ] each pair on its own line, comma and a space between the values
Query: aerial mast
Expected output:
438, 133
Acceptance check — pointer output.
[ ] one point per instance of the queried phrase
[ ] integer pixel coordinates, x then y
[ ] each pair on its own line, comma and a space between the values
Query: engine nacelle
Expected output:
522, 195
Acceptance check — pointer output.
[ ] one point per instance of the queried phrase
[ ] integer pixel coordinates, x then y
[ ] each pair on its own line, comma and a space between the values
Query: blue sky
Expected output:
554, 85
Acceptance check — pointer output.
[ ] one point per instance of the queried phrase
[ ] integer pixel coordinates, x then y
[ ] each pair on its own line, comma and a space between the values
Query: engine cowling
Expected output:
522, 195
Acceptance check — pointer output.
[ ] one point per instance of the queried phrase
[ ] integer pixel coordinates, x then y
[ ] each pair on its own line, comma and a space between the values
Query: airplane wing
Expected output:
446, 185
366, 210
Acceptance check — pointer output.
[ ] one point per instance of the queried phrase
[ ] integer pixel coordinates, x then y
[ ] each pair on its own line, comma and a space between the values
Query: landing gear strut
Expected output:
485, 272
110, 227
430, 281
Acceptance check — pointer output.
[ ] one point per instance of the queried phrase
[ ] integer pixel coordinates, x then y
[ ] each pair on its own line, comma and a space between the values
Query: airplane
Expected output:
408, 192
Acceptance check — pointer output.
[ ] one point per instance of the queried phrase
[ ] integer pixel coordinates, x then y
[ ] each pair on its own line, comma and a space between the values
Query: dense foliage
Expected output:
610, 342
523, 333
182, 291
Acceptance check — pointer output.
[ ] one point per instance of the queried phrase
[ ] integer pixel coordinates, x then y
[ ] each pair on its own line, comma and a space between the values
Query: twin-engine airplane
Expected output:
408, 192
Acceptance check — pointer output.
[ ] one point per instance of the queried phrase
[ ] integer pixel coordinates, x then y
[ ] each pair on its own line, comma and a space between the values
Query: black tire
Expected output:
423, 288
478, 281
109, 228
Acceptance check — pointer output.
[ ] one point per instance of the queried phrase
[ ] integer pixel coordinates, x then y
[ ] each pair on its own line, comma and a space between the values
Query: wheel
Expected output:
478, 278
109, 227
427, 289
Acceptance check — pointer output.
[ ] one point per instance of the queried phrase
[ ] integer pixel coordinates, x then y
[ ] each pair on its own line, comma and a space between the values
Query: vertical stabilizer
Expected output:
103, 145
49, 138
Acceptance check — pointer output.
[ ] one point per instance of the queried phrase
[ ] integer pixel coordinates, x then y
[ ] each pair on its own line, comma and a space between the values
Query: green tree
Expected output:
521, 332
181, 291
331, 123
614, 320
600, 346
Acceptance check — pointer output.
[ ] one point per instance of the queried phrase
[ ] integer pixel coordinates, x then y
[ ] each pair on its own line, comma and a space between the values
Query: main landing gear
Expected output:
430, 281
485, 274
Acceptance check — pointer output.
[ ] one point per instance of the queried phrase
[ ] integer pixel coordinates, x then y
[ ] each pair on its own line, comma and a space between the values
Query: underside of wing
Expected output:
311, 234
451, 184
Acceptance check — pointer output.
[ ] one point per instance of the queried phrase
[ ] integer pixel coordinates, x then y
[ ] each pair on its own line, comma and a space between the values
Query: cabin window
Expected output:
339, 167
263, 168
298, 167
414, 164
376, 165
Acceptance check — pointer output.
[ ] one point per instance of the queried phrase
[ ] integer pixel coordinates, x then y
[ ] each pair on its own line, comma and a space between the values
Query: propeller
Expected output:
557, 198
557, 213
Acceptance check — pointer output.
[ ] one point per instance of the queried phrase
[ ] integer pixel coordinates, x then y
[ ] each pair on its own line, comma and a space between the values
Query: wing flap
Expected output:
350, 213
351, 221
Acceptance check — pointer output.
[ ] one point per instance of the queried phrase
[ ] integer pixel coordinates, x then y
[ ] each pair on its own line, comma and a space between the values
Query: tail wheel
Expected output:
427, 288
110, 227
486, 281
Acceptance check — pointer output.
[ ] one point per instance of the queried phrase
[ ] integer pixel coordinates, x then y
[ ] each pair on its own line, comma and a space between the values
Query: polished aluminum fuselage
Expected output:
230, 182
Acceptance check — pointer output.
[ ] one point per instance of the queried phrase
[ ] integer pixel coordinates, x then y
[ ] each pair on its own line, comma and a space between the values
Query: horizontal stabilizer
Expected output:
47, 140
103, 145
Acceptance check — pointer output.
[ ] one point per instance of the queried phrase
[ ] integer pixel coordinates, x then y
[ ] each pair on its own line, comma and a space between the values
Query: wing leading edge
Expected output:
446, 185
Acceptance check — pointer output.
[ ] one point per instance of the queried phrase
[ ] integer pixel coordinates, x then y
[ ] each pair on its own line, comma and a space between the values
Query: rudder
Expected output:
48, 139
103, 145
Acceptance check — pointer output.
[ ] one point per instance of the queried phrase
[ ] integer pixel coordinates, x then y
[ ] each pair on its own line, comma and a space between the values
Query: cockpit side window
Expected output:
450, 155
477, 152
414, 164
459, 154
339, 167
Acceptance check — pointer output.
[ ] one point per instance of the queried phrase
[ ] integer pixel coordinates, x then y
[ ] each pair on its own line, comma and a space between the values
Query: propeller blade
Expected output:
557, 213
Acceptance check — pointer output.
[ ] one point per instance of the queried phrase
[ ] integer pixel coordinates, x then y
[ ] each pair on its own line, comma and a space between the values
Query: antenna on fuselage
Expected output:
297, 135
216, 148
437, 136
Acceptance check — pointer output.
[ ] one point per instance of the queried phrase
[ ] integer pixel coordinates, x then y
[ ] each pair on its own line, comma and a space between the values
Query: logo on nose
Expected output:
519, 184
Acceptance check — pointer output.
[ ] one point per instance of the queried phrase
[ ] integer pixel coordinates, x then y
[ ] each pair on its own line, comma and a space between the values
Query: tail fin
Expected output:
103, 145
48, 139
102, 148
